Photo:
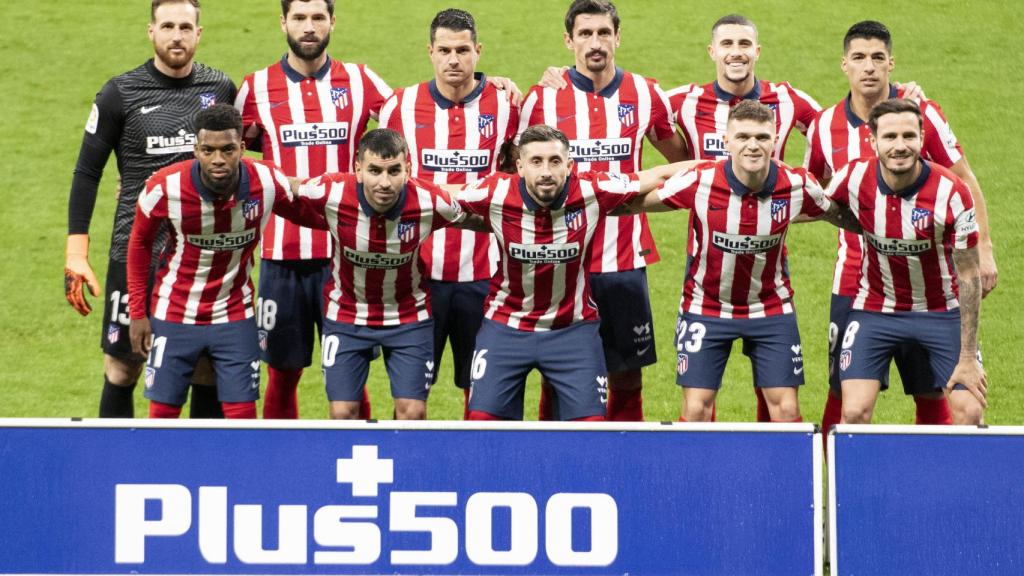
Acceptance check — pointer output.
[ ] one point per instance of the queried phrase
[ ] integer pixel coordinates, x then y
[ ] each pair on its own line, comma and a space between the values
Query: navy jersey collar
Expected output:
754, 94
909, 191
392, 214
585, 84
852, 118
296, 76
740, 189
241, 194
445, 104
534, 206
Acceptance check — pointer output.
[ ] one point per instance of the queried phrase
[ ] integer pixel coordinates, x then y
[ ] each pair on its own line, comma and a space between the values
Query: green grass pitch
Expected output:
58, 54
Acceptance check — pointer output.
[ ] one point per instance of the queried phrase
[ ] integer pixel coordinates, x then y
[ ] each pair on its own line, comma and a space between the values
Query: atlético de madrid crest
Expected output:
207, 99
486, 125
251, 209
340, 97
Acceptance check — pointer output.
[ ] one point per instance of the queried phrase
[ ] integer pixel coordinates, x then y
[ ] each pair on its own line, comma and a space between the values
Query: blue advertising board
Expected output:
935, 500
427, 498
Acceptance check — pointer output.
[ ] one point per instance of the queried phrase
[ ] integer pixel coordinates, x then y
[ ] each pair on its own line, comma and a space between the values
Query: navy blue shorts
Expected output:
347, 350
290, 305
703, 345
627, 327
911, 358
114, 339
458, 310
570, 358
233, 351
872, 340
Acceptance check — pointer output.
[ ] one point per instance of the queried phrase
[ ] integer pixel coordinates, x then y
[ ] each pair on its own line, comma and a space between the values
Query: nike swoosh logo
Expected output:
838, 149
148, 109
561, 119
642, 351
798, 370
276, 104
712, 208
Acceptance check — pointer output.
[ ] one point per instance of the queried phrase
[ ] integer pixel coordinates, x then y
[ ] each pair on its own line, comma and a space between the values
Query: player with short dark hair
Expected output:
539, 311
606, 112
377, 294
145, 117
305, 113
458, 127
736, 284
840, 135
201, 302
919, 280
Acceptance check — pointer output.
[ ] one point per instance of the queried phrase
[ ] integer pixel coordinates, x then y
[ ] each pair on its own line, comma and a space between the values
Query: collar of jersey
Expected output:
534, 206
740, 189
296, 76
169, 81
855, 120
585, 84
724, 96
241, 194
907, 192
444, 103
392, 214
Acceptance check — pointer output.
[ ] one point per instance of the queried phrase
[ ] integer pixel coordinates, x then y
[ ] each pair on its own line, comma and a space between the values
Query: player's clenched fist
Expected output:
78, 273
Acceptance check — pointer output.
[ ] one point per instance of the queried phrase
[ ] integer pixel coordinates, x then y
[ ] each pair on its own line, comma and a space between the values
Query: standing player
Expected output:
841, 135
305, 113
377, 295
736, 281
145, 117
702, 111
919, 279
457, 127
539, 311
606, 112
202, 298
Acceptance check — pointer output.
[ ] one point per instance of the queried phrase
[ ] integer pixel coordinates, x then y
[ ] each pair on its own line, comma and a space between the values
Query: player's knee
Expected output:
344, 410
120, 372
406, 409
625, 380
698, 409
856, 413
786, 410
967, 412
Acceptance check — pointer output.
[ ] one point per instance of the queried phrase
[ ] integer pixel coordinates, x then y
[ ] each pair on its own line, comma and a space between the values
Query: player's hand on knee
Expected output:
78, 274
141, 335
971, 375
552, 77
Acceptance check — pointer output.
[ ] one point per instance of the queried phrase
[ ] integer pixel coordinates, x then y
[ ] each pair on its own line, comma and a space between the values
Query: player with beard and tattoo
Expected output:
306, 113
145, 117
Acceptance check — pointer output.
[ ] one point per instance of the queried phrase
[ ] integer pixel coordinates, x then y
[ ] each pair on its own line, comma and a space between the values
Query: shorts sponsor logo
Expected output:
603, 150
486, 125
544, 253
223, 241
318, 134
642, 334
455, 160
429, 373
682, 363
744, 244
845, 358
251, 209
377, 260
254, 366
340, 97
207, 99
150, 376
780, 211
627, 114
898, 246
602, 388
181, 143
113, 333
714, 144
921, 218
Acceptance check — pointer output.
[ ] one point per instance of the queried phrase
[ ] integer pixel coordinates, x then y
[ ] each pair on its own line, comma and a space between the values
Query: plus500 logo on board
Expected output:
352, 534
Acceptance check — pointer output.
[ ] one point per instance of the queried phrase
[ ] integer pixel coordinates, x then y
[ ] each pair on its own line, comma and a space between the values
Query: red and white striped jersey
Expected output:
542, 281
736, 266
376, 275
308, 126
909, 236
606, 131
203, 276
839, 137
703, 111
454, 143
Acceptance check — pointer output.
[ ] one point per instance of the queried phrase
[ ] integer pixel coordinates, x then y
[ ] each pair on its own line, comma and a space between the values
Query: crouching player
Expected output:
378, 294
920, 280
202, 300
539, 312
736, 281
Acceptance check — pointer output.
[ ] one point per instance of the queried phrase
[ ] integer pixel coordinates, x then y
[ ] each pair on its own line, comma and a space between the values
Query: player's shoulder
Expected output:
204, 73
940, 171
682, 91
182, 168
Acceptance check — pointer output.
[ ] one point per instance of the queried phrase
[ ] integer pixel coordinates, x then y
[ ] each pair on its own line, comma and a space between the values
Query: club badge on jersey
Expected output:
574, 219
780, 210
340, 97
407, 231
251, 210
921, 218
627, 114
207, 99
486, 125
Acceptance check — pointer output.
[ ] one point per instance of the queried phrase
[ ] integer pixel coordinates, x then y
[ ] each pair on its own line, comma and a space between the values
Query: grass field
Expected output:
58, 54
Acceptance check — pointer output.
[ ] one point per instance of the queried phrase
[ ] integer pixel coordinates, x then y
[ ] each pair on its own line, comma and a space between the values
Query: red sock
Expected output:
545, 409
282, 400
239, 410
597, 418
161, 410
364, 405
932, 411
762, 407
682, 418
481, 415
626, 405
714, 412
465, 404
833, 413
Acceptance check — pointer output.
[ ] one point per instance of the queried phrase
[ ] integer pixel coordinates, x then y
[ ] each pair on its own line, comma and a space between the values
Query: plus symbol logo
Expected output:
365, 471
